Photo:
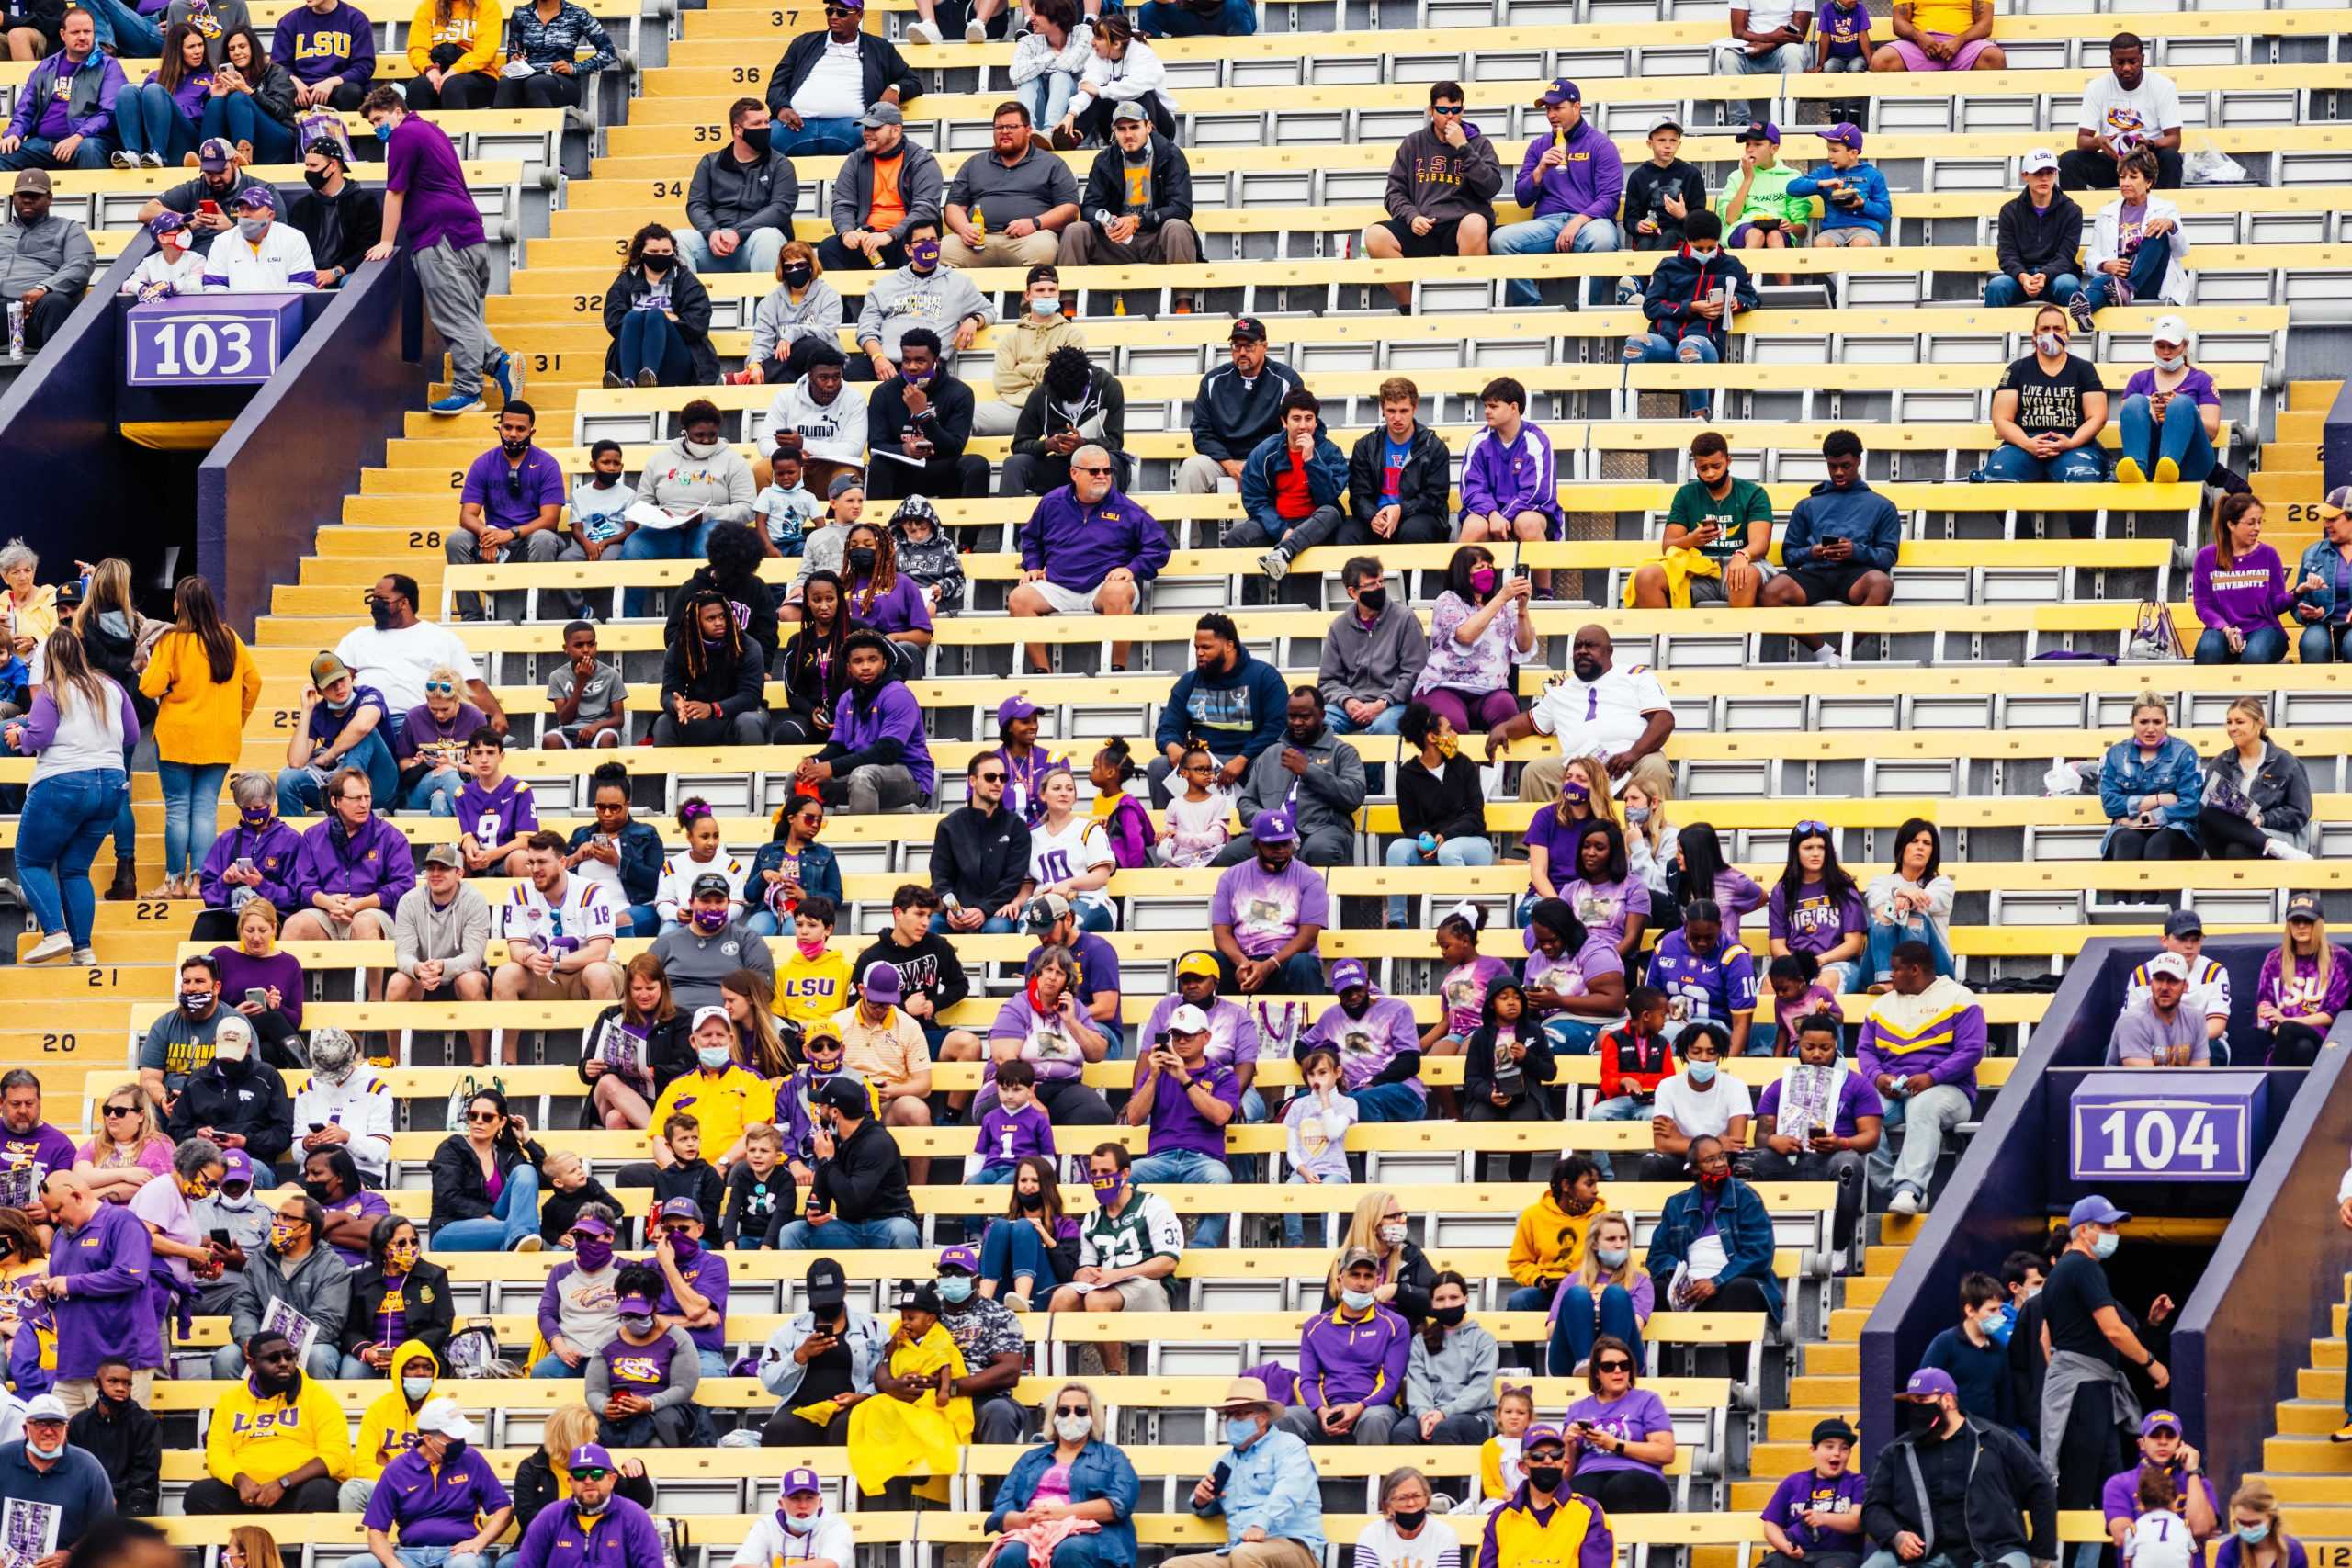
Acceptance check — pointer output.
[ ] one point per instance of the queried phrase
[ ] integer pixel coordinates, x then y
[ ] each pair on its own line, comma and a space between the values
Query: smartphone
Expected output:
243, 864
318, 1126
1518, 571
1160, 1041
208, 209
259, 998
220, 1239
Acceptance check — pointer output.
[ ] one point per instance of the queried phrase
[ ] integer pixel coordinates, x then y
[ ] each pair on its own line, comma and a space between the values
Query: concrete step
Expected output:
1817, 1391
2315, 396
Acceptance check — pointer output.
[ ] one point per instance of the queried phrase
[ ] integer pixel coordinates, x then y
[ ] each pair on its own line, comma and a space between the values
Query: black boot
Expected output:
125, 884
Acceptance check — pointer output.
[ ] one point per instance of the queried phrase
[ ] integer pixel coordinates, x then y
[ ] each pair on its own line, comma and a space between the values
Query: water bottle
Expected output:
1428, 842
16, 329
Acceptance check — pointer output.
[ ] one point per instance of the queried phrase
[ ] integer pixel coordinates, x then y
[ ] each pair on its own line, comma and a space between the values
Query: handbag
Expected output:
2153, 635
473, 1352
459, 1097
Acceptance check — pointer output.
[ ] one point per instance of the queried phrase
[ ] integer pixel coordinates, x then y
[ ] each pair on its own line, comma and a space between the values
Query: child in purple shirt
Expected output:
494, 810
1013, 1127
1818, 1511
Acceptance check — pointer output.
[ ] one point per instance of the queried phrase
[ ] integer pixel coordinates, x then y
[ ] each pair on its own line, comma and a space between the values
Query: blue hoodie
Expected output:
1876, 210
1860, 513
1236, 713
1327, 479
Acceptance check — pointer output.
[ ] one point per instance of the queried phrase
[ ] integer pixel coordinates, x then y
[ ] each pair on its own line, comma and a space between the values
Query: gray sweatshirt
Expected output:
900, 301
1328, 792
1378, 662
697, 964
685, 1376
1458, 1379
457, 935
776, 321
54, 253
719, 483
319, 1287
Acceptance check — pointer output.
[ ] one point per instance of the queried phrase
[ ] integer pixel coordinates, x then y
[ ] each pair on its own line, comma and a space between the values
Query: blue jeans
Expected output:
1048, 97
132, 36
1012, 1252
893, 1234
67, 818
234, 116
1537, 236
2182, 441
2264, 645
1295, 1225
551, 1366
324, 1361
993, 926
147, 121
1092, 916
1625, 1108
1573, 1335
1938, 1560
2325, 644
660, 544
1878, 948
1388, 1102
298, 794
2149, 264
1238, 20
512, 1217
755, 251
1335, 719
1075, 1551
427, 1557
2016, 466
838, 136
1656, 348
2003, 292
435, 790
191, 812
353, 1367
643, 920
648, 341
1188, 1167
1407, 852
40, 152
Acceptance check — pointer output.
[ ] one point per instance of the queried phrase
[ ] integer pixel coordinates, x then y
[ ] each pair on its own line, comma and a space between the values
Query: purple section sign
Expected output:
209, 339
2163, 1124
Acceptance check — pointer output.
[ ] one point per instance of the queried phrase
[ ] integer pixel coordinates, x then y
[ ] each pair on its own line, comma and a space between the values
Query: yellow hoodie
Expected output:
478, 27
389, 1429
269, 1438
1549, 1242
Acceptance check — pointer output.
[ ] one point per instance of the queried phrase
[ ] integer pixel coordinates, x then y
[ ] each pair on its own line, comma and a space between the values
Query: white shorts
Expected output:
1067, 600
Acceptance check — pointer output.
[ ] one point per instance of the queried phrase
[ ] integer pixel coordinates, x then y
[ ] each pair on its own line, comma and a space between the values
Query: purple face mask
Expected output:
710, 920
1482, 578
925, 254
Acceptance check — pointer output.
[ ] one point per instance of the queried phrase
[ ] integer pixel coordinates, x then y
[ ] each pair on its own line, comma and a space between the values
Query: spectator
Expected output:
921, 427
829, 417
2165, 1483
980, 855
486, 1183
917, 1422
1123, 69
1509, 490
859, 1196
1816, 1515
1541, 1520
1767, 39
1379, 1049
659, 315
927, 557
2323, 589
219, 176
1023, 347
1291, 487
1070, 856
1442, 186
1616, 717
1757, 206
877, 758
401, 1307
711, 942
1237, 406
706, 1108
155, 122
1919, 1048
2048, 411
2151, 789
1507, 1068
2138, 251
170, 270
792, 866
2258, 1537
1718, 1238
918, 295
353, 868
1700, 1102
1977, 1365
2257, 800
301, 1273
443, 228
645, 1377
1941, 35
993, 1347
331, 1177
1856, 208
1575, 980
400, 655
1690, 299
1268, 913
801, 314
1265, 1486
692, 1278
127, 1441
801, 1529
349, 1107
1128, 1247
78, 791
440, 934
1817, 908
254, 860
558, 932
1403, 1537
1441, 808
344, 725
2003, 1507
1050, 918
98, 1287
1450, 1370
2159, 1029
1138, 207
1479, 632
1049, 58
712, 685
1187, 1100
1086, 548
1399, 485
510, 509
888, 187
2086, 1403
739, 207
828, 83
56, 1480
1840, 544
1621, 1437
1608, 1298
274, 1423
1718, 518
461, 1509
1912, 902
2169, 419
2040, 228
1352, 1360
1028, 198
1571, 182
577, 1310
431, 744
179, 1042
1101, 1489
825, 1357
253, 99
452, 47
341, 219
1661, 193
594, 1477
236, 1101
45, 262
618, 851
127, 1151
1313, 778
329, 46
2129, 108
64, 116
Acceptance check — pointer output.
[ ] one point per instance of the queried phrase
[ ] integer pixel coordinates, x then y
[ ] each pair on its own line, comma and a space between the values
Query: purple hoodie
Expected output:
273, 850
893, 714
108, 1310
374, 860
1591, 181
1077, 545
1511, 478
2248, 594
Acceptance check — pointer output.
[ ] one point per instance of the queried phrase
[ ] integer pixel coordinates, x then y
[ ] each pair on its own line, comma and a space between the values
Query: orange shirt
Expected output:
890, 208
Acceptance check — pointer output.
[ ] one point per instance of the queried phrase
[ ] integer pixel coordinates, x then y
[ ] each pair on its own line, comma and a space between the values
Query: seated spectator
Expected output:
1571, 182
45, 261
698, 480
828, 83
1612, 717
341, 218
888, 187
2324, 609
1911, 902
1718, 1237
1856, 208
2129, 108
1399, 484
860, 1195
1237, 406
1121, 69
2166, 1029
927, 557
1379, 1047
129, 1150
739, 203
659, 315
301, 1273
1919, 1047
264, 256
235, 1213
1575, 979
1766, 39
486, 1183
1403, 1536
1268, 914
918, 295
1507, 1068
876, 759
1612, 903
578, 1312
430, 743
800, 315
253, 98
1607, 1299
1756, 205
1941, 35
1690, 299
993, 1346
1101, 1489
558, 932
349, 1107
329, 47
1661, 195
1351, 1364
1816, 1515
1700, 1102
1978, 1364
821, 1363
399, 1305
1441, 807
1480, 632
453, 50
1620, 1438
1722, 525
217, 178
708, 944
642, 1382
713, 684
1026, 197
1070, 856
2258, 801
171, 269
1290, 485
1086, 548
1840, 544
830, 417
1050, 918
1314, 778
63, 120
1541, 1517
918, 1420
1450, 1371
235, 1101
510, 509
1128, 1245
1818, 1119
2186, 1490
2041, 227
1441, 195
1138, 207
980, 855
2048, 411
2137, 252
332, 1179
1555, 833
2237, 583
2151, 789
1049, 59
786, 506
119, 1434
920, 425
2208, 982
440, 1499
1817, 908
1509, 490
801, 1529
177, 1043
441, 932
156, 122
2170, 418
1638, 1058
281, 1443
1023, 347
2257, 1537
1186, 1100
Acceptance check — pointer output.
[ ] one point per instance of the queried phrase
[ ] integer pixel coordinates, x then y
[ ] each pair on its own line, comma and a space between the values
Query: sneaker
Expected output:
740, 1438
2276, 848
1628, 291
150, 159
2081, 309
976, 31
85, 957
1903, 1203
1274, 563
2167, 471
2127, 471
532, 1242
922, 33
508, 373
1827, 654
121, 160
49, 949
455, 404
2342, 1434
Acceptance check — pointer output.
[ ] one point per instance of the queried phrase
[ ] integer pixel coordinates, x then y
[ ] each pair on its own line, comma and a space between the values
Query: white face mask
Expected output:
1393, 1234
1072, 1428
1044, 304
2171, 361
699, 448
2049, 343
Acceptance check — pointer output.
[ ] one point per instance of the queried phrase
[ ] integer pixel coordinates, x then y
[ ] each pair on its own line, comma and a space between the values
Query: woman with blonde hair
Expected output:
1556, 831
1405, 1280
1610, 1295
2306, 980
544, 1476
2151, 789
1093, 1484
249, 1546
2257, 1537
1649, 834
801, 312
2258, 801
129, 1150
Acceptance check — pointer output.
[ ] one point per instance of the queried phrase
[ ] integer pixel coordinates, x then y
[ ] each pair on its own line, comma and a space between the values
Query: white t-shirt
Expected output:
1077, 848
582, 912
396, 662
2150, 110
770, 1545
1381, 1547
673, 899
2159, 1539
1600, 718
1765, 16
1703, 1115
834, 88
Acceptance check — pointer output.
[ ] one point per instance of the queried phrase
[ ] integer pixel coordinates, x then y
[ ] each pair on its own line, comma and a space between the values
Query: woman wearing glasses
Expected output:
127, 1151
432, 745
486, 1183
1080, 1478
1620, 1438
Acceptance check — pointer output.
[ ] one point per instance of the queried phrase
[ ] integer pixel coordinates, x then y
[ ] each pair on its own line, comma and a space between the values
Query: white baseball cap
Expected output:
2169, 328
2171, 963
2038, 161
1187, 1020
444, 1415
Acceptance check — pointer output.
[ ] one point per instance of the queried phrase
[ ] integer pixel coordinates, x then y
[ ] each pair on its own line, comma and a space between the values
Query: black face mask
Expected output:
1544, 1477
861, 562
799, 276
1409, 1521
1449, 1318
1372, 601
756, 139
1925, 1422
318, 1191
380, 612
315, 178
1032, 1201
515, 448
655, 266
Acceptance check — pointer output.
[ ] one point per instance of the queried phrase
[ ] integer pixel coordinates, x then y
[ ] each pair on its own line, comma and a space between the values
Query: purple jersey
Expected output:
1008, 1137
1806, 1493
1810, 921
496, 815
1265, 911
639, 1368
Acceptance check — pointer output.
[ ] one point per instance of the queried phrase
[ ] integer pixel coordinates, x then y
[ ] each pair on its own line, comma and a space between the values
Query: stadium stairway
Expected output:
2313, 1476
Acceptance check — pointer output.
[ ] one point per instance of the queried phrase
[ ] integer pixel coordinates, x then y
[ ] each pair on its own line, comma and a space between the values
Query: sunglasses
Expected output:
989, 778
122, 1110
445, 688
839, 11
1810, 827
1097, 472
591, 1474
1446, 108
1613, 1366
481, 1115
1072, 1410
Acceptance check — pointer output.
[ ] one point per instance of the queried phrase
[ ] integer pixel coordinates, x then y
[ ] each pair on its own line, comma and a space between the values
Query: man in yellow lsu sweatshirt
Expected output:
389, 1428
277, 1443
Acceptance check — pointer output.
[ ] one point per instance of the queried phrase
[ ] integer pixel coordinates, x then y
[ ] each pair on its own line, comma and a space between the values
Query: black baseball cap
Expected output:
1248, 327
1835, 1427
2184, 922
828, 1286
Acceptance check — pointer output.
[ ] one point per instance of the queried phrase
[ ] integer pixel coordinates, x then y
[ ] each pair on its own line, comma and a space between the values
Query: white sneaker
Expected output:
1903, 1203
922, 33
150, 159
1827, 654
49, 949
976, 31
1274, 563
85, 957
531, 1243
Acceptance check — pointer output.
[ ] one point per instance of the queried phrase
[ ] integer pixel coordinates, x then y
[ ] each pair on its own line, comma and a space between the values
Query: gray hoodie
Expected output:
1329, 793
921, 187
719, 483
1376, 663
777, 323
900, 301
54, 253
458, 935
319, 1287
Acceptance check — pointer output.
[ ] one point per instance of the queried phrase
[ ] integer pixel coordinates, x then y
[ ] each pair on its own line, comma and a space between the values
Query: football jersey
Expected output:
580, 913
495, 815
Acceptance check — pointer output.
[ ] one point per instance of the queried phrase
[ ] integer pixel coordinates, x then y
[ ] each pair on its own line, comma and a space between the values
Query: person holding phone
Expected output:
819, 1364
1187, 1100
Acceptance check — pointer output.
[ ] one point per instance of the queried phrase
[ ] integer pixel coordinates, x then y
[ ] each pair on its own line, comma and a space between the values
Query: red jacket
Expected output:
1630, 1064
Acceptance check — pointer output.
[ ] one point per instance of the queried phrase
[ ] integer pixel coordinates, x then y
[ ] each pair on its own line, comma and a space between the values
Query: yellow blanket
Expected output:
890, 1438
1680, 566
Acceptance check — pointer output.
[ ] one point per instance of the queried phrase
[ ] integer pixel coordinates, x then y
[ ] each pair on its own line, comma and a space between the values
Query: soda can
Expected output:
16, 329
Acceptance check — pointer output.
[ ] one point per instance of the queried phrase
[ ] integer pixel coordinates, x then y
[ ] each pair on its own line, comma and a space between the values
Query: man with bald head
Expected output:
1087, 548
1596, 710
100, 1286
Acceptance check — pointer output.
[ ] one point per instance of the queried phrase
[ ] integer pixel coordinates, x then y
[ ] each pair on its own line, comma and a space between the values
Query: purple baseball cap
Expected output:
589, 1456
2160, 1421
236, 1165
1536, 1435
2095, 1209
1930, 1383
1012, 708
962, 1257
257, 196
681, 1209
591, 1225
880, 984
1348, 972
635, 1305
1761, 131
1273, 826
217, 155
1561, 91
800, 1479
1845, 133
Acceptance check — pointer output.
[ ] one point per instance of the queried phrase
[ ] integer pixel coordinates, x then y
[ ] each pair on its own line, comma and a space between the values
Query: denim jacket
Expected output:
1101, 1471
781, 1375
1741, 1221
2316, 563
2123, 778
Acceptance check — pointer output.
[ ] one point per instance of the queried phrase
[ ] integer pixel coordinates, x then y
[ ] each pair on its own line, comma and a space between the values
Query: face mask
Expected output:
1449, 745
637, 1325
808, 1526
1449, 1318
239, 1202
2171, 361
700, 448
712, 1057
1239, 1429
1712, 1180
710, 920
684, 1249
799, 276
317, 1190
2049, 343
1482, 578
1544, 1477
1046, 305
1355, 1301
515, 448
812, 949
40, 1453
1073, 1428
1409, 1521
252, 229
1703, 256
1372, 601
594, 1252
416, 1387
257, 817
400, 1259
1392, 1236
1703, 1072
315, 178
1107, 1186
2104, 1245
2252, 1535
195, 1001
380, 612
383, 130
1637, 815
955, 1288
280, 1238
925, 254
1031, 1201
861, 562
655, 264
1575, 793
1922, 1420
1611, 1257
756, 139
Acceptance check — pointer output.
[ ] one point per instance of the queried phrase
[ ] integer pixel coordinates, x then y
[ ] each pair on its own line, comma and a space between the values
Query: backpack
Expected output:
1131, 834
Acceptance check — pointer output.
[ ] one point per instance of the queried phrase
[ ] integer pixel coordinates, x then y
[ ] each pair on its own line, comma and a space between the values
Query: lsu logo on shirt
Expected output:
260, 1423
637, 1369
812, 986
323, 46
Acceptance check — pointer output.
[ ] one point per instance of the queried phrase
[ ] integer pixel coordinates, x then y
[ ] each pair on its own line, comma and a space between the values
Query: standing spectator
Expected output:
2257, 797
1237, 406
1313, 778
919, 295
1941, 35
1723, 519
1479, 633
1509, 484
1138, 206
1123, 69
2041, 227
1025, 196
79, 788
1662, 194
1571, 182
1087, 548
127, 1441
2088, 1404
659, 315
1856, 208
2129, 108
739, 204
1691, 300
1023, 347
1992, 1494
1840, 544
341, 218
564, 44
1442, 186
1715, 1235
99, 1290
1767, 39
827, 81
1399, 476
2048, 411
2138, 250
1919, 1048
2237, 583
920, 425
329, 46
64, 115
453, 46
888, 187
428, 208
301, 1272
2151, 789
2170, 417
1048, 59
1815, 1516
1978, 1364
1371, 654
199, 674
510, 509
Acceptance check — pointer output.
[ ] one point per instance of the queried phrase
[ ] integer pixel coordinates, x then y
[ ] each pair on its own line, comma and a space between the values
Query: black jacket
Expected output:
1647, 188
1451, 807
982, 860
1172, 186
866, 1180
1537, 1069
699, 1181
1425, 489
2006, 1483
689, 300
559, 1209
130, 1447
758, 607
1681, 280
535, 1488
739, 688
946, 419
458, 1190
729, 195
1229, 419
884, 68
247, 1098
930, 967
2281, 789
2038, 242
1416, 1282
356, 218
1104, 406
742, 1227
425, 1299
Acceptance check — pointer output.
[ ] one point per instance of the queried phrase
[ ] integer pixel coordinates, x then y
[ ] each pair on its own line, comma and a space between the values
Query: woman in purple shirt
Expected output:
1817, 908
879, 598
2257, 1537
157, 120
1614, 904
2239, 587
1619, 1438
2170, 416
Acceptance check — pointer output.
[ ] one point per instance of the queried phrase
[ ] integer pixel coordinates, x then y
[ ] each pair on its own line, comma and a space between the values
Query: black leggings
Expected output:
2152, 844
1526, 1107
459, 90
1625, 1491
2295, 1046
540, 90
2231, 837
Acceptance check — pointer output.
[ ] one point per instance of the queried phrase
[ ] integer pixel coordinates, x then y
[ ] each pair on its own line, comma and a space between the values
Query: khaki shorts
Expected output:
1140, 1296
1067, 600
562, 987
347, 930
